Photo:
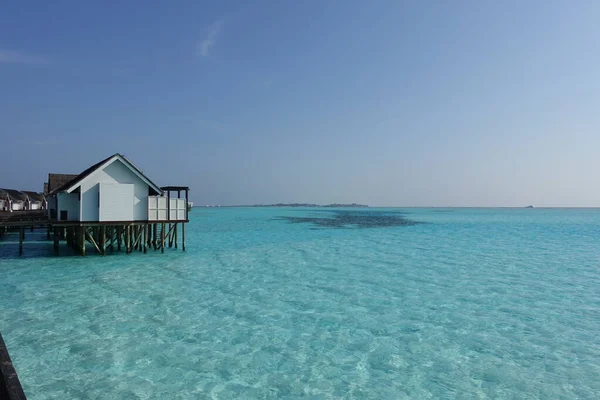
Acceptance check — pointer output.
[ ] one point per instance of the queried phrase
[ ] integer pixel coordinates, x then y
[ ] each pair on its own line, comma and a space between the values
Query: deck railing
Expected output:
158, 210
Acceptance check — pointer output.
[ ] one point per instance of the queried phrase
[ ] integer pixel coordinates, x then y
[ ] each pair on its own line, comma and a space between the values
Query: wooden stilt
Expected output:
21, 239
145, 239
175, 233
119, 237
103, 240
141, 239
162, 242
82, 235
154, 235
134, 229
93, 241
127, 239
183, 233
148, 235
56, 242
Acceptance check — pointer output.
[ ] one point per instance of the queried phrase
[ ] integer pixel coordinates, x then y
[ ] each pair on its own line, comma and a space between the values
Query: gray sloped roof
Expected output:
34, 196
57, 180
15, 195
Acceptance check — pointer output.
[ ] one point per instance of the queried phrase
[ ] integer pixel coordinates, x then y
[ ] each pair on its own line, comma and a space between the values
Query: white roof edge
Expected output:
127, 163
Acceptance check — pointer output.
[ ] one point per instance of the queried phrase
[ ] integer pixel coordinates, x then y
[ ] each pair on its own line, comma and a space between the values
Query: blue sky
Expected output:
407, 103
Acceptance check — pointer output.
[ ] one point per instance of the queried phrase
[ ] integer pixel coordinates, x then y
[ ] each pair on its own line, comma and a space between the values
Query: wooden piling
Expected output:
82, 235
21, 239
56, 240
148, 235
103, 240
175, 234
140, 237
154, 234
119, 237
183, 234
162, 242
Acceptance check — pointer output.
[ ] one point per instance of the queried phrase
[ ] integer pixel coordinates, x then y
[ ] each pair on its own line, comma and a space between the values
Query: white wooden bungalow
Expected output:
115, 190
13, 200
4, 201
35, 201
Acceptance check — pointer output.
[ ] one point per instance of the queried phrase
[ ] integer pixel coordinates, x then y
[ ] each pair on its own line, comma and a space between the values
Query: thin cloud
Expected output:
17, 57
210, 39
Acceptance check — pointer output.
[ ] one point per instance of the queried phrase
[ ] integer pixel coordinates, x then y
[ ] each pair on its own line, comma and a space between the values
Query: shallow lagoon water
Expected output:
280, 303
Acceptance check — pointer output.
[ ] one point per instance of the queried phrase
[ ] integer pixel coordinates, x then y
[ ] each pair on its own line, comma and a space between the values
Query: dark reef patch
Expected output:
354, 219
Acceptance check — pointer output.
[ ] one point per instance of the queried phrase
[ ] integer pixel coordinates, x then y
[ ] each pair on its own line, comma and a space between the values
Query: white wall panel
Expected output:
116, 202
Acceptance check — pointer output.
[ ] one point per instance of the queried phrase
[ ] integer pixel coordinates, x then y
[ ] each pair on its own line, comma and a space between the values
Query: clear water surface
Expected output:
466, 303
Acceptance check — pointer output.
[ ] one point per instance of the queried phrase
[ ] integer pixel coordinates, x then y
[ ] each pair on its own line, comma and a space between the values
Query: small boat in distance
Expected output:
190, 205
530, 206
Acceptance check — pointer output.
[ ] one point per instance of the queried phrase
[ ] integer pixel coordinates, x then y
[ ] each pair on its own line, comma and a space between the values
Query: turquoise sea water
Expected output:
359, 304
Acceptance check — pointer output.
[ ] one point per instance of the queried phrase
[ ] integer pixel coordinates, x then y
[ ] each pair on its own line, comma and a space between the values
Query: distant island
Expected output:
336, 205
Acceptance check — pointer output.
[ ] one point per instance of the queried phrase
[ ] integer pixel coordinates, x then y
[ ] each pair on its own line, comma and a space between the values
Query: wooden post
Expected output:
183, 233
21, 238
127, 238
141, 239
175, 233
133, 235
186, 208
154, 234
168, 205
170, 235
162, 242
119, 232
145, 239
103, 240
148, 235
83, 229
56, 243
138, 232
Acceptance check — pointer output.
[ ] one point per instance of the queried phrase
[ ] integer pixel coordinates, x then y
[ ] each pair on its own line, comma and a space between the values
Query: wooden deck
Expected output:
23, 218
105, 235
10, 386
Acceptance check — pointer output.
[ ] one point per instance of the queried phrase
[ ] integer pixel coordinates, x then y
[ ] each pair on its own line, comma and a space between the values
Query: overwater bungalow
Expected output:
111, 204
112, 190
4, 201
115, 196
13, 200
35, 201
